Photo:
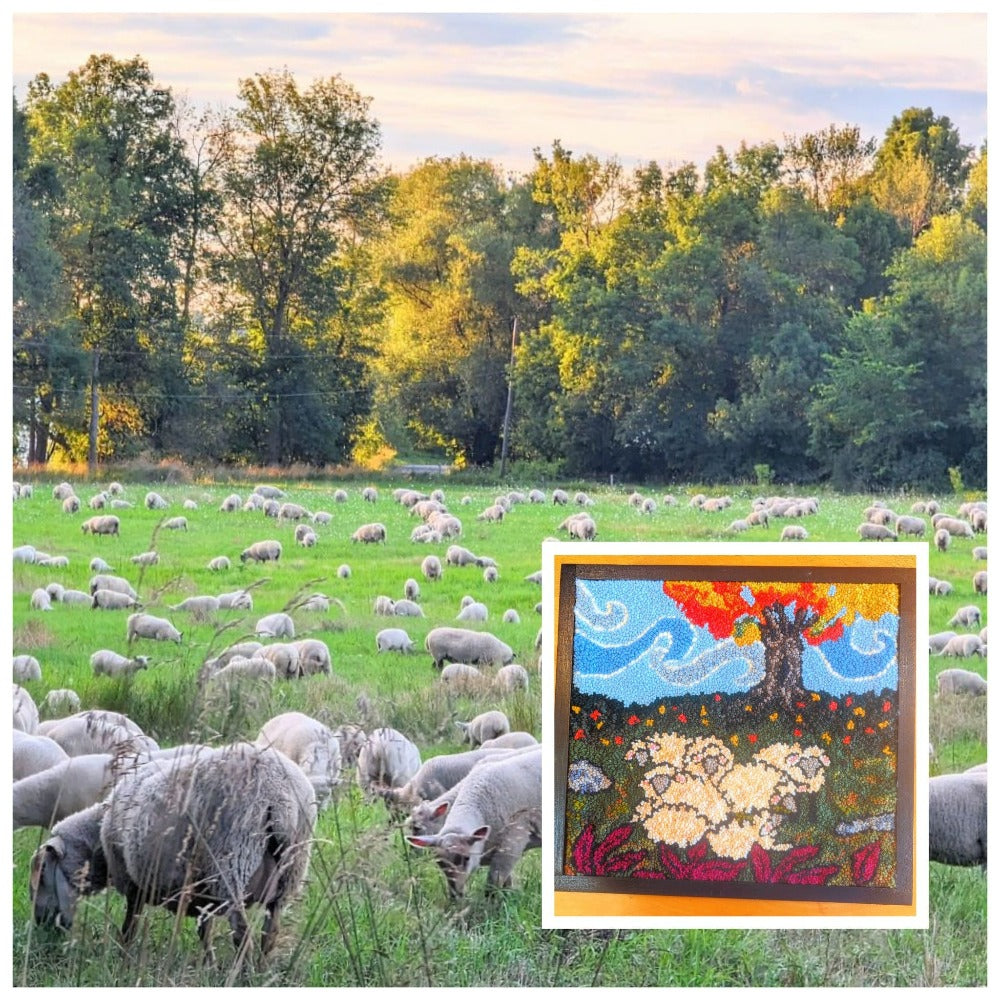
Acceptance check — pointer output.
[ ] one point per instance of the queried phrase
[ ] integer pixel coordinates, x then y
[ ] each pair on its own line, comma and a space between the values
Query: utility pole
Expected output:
510, 401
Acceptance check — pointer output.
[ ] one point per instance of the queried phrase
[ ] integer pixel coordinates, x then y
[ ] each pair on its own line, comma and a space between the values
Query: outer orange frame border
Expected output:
563, 909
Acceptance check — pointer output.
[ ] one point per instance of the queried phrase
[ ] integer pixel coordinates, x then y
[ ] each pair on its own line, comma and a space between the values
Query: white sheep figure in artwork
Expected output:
495, 816
956, 823
27, 668
387, 759
485, 726
962, 682
204, 835
112, 664
145, 626
311, 745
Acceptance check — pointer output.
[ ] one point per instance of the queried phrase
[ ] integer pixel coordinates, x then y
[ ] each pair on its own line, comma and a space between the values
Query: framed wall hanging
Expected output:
735, 732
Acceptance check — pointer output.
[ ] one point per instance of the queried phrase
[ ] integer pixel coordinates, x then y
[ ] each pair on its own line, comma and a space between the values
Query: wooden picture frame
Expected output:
735, 734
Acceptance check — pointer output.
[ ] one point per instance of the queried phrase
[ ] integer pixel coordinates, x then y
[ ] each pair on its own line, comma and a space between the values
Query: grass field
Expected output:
375, 913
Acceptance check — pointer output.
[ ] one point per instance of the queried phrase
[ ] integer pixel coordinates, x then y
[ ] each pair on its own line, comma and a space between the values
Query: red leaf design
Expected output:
864, 862
761, 863
698, 851
616, 838
718, 870
795, 857
813, 876
583, 851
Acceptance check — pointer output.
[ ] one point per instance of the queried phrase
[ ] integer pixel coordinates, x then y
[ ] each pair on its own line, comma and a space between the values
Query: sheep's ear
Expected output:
481, 834
65, 897
440, 811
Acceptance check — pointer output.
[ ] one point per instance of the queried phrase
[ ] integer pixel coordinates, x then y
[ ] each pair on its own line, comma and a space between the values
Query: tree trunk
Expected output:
94, 416
783, 646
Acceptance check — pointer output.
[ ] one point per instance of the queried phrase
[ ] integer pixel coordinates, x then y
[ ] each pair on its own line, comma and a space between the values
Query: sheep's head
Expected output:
54, 889
458, 855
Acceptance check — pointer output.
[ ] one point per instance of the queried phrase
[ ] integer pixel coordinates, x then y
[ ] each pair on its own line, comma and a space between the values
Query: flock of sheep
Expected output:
122, 811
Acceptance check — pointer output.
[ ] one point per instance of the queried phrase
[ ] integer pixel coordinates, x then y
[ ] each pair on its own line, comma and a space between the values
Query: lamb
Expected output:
111, 600
510, 678
233, 599
514, 740
869, 531
200, 607
411, 589
942, 540
69, 785
308, 743
314, 657
793, 532
278, 625
458, 555
431, 568
535, 577
957, 681
979, 582
956, 825
56, 591
969, 615
60, 701
27, 668
495, 816
176, 524
475, 611
485, 726
97, 731
251, 847
463, 677
459, 645
33, 754
394, 640
305, 536
434, 777
408, 609
144, 626
263, 551
98, 501
536, 496
112, 664
387, 759
40, 600
154, 501
25, 711
145, 559
511, 617
369, 534
104, 524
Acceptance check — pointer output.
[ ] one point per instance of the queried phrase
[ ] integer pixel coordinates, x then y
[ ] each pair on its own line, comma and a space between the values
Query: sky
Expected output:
669, 87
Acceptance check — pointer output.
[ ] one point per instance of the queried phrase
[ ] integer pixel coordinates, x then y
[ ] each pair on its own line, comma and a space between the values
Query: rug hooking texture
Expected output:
734, 731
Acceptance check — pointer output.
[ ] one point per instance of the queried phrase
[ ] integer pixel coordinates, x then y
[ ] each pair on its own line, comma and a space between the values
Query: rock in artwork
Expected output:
734, 731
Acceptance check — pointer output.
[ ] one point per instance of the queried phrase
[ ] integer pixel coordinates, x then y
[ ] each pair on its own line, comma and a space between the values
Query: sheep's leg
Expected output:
133, 907
270, 933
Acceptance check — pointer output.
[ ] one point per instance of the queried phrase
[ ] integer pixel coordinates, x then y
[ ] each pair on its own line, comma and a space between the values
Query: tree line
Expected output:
248, 285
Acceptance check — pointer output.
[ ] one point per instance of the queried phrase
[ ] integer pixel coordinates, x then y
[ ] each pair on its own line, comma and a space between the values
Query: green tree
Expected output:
830, 165
300, 185
107, 135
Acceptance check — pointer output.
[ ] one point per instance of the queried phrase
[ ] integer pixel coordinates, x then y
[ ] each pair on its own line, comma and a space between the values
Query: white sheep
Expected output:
394, 640
71, 596
485, 726
408, 609
278, 626
474, 611
112, 600
510, 678
71, 504
145, 626
112, 664
514, 740
942, 540
305, 536
491, 574
236, 599
315, 602
98, 565
231, 503
154, 501
253, 847
964, 645
201, 606
979, 582
104, 524
434, 777
60, 701
268, 492
322, 517
411, 589
311, 745
25, 711
176, 524
968, 616
145, 558
284, 656
463, 678
459, 645
344, 571
97, 731
939, 640
314, 657
431, 568
957, 681
369, 494
956, 818
793, 532
511, 617
870, 531
494, 817
906, 525
289, 511
369, 534
24, 553
268, 550
33, 754
40, 600
27, 668
387, 759
69, 785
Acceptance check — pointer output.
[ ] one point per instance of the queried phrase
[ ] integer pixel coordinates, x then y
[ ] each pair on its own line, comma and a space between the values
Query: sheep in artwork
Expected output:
956, 818
177, 836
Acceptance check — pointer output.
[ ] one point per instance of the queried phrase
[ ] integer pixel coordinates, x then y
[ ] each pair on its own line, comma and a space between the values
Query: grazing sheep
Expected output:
40, 600
431, 568
24, 554
369, 494
289, 511
369, 534
955, 527
232, 503
979, 552
315, 602
351, 738
112, 664
56, 591
344, 571
463, 677
241, 599
490, 574
25, 711
474, 611
179, 836
582, 526
939, 640
740, 524
269, 492
459, 645
942, 540
868, 531
27, 668
263, 551
44, 798
71, 504
201, 606
514, 740
409, 609
278, 625
411, 590
176, 524
493, 513
906, 525
60, 701
793, 532
145, 626
510, 678
958, 681
75, 597
979, 582
394, 640
387, 759
384, 605
968, 616
112, 600
494, 817
311, 745
314, 657
956, 820
97, 731
270, 508
239, 670
434, 777
154, 501
145, 559
511, 617
104, 524
33, 754
560, 497
285, 657
98, 565
485, 726
964, 645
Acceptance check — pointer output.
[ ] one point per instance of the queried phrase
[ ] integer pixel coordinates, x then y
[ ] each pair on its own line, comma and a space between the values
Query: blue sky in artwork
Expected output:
633, 643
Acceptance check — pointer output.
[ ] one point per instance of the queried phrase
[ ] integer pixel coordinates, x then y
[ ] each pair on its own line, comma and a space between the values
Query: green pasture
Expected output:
375, 913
